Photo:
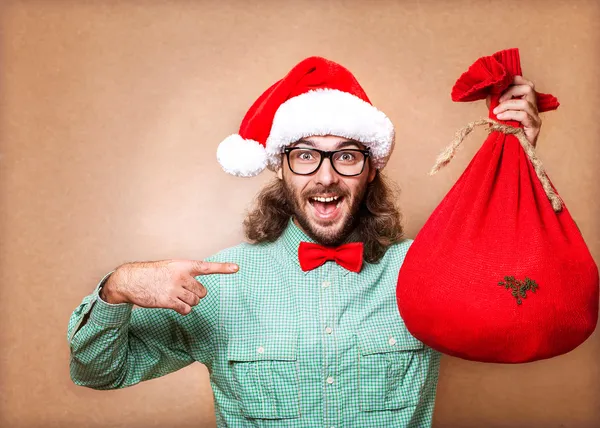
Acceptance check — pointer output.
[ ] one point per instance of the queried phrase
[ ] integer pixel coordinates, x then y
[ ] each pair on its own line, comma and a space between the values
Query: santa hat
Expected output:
317, 97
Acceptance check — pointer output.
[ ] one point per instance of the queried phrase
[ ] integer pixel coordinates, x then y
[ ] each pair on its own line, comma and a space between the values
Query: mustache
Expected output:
319, 190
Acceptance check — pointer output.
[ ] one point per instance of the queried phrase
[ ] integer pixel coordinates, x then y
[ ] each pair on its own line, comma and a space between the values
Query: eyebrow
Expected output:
340, 145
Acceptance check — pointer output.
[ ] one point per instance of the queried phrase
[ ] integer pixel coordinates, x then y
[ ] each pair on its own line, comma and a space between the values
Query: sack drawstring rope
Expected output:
446, 156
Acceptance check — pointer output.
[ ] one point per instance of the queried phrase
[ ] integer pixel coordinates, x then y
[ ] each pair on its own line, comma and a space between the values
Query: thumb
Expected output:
199, 267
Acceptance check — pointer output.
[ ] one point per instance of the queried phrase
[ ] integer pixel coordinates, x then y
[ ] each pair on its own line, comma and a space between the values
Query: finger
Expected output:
181, 307
195, 287
525, 91
199, 267
520, 80
188, 297
519, 116
516, 104
530, 94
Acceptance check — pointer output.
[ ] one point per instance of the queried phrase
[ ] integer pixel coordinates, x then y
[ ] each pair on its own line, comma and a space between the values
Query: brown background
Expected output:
111, 113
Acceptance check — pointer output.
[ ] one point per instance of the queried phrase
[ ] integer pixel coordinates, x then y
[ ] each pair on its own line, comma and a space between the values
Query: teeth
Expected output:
331, 199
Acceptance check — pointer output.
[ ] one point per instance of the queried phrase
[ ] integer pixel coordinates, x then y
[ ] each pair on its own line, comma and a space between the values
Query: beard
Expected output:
332, 234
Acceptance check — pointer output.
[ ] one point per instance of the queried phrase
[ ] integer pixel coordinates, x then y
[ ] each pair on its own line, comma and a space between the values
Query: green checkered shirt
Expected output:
284, 348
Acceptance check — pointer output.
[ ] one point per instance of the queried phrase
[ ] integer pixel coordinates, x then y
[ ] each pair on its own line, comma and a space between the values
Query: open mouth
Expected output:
326, 207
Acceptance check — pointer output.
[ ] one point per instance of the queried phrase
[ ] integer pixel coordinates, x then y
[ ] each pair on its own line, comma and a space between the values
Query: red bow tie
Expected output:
349, 256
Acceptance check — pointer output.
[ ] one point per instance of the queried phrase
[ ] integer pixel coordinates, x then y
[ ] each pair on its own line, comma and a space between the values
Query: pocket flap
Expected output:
387, 339
258, 348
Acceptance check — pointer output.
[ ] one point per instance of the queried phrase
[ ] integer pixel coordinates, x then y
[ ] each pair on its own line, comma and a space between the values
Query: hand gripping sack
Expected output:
499, 272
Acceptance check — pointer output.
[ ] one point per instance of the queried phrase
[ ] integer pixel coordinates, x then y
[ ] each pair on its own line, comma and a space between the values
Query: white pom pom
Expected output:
240, 157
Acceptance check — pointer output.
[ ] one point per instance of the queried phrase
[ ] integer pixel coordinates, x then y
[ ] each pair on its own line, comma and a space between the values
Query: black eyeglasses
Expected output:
306, 161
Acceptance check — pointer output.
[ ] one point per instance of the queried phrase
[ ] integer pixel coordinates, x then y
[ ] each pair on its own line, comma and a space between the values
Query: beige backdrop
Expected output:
110, 115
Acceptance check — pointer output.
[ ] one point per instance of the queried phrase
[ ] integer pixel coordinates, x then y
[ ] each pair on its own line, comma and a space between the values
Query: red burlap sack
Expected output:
499, 272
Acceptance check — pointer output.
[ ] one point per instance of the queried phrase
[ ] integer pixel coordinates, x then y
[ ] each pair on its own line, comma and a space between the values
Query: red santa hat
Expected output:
317, 97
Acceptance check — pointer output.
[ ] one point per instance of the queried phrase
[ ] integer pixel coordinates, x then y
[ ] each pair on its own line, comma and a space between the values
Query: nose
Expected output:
326, 175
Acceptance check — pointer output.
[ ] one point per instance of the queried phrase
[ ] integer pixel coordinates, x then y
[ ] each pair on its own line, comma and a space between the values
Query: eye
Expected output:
346, 157
304, 155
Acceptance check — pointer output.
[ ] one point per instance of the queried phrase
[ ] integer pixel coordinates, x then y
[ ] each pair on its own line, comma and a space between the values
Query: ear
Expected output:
372, 172
280, 169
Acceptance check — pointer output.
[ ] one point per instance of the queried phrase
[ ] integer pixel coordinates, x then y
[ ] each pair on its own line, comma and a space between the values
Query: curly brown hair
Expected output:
378, 220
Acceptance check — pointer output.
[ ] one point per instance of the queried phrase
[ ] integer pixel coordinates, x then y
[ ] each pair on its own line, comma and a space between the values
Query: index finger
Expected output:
520, 80
524, 91
199, 267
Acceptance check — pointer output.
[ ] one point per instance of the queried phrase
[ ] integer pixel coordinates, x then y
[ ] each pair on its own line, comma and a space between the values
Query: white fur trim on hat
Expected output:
244, 158
330, 112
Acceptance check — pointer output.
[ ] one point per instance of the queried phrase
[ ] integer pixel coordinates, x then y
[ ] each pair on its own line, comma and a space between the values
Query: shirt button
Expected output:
329, 380
326, 284
260, 350
392, 341
328, 330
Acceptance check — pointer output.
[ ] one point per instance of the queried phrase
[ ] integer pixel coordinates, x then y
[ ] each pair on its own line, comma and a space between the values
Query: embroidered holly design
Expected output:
519, 288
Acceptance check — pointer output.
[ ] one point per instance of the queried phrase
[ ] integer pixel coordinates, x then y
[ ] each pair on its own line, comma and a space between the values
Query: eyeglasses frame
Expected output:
325, 154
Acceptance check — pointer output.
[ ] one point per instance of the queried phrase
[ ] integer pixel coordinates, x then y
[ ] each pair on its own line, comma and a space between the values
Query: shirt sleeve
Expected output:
116, 346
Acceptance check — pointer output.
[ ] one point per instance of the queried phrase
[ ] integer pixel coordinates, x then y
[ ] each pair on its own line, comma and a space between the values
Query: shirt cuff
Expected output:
107, 314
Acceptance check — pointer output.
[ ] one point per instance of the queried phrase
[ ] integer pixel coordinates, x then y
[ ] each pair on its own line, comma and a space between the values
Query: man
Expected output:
300, 327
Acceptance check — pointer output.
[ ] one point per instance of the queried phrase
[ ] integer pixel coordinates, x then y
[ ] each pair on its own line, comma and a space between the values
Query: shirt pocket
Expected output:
391, 370
266, 376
